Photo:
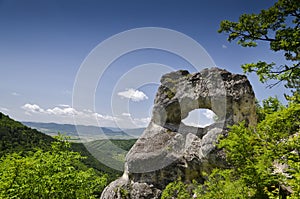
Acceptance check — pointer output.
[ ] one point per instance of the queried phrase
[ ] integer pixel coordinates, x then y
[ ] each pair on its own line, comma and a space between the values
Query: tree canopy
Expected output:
280, 27
56, 173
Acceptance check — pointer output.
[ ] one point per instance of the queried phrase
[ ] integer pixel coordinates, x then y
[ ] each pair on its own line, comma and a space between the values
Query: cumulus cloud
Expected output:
33, 108
63, 111
134, 95
63, 114
67, 111
105, 117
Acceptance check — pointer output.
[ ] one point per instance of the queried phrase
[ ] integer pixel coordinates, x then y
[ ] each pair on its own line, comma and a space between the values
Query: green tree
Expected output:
57, 173
270, 105
280, 27
223, 184
264, 160
177, 190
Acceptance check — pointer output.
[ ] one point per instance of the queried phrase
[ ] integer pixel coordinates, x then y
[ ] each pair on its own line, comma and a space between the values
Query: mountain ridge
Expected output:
86, 132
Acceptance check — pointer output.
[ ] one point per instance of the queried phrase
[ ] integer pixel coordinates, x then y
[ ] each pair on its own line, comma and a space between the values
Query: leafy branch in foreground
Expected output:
280, 27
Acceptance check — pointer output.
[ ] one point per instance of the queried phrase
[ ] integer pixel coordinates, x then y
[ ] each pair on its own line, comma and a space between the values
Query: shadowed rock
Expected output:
168, 149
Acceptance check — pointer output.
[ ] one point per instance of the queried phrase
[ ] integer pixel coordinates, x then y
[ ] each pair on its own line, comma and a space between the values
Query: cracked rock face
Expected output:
169, 149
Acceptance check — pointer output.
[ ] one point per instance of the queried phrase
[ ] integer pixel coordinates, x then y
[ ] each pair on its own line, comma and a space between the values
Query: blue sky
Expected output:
44, 43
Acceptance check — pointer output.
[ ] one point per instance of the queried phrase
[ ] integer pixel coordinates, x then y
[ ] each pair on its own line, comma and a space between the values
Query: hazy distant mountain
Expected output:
85, 133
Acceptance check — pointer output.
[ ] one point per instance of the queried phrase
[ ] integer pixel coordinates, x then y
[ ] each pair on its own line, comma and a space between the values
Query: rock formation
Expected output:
169, 149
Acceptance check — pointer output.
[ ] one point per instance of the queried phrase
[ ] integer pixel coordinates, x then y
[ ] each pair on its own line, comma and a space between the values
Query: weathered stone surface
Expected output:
169, 149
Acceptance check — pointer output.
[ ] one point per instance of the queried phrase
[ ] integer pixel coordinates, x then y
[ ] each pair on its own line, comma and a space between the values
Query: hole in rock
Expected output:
200, 118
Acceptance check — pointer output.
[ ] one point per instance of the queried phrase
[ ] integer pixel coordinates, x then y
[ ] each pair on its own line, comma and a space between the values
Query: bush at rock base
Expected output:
264, 161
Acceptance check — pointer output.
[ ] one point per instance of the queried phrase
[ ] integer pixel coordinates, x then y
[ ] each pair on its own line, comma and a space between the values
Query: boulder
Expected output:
168, 149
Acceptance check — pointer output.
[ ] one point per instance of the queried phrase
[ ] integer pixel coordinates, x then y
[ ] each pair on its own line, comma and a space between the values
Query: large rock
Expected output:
168, 149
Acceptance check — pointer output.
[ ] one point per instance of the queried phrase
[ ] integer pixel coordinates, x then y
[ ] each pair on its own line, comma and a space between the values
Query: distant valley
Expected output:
82, 133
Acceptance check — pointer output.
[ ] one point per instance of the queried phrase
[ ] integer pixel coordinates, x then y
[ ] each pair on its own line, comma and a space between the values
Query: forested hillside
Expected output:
35, 165
92, 162
15, 137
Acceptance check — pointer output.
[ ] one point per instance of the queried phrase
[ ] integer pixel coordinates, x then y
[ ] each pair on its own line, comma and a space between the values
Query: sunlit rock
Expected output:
169, 149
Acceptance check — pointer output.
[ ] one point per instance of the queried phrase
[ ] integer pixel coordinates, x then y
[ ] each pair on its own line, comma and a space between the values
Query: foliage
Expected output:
18, 138
15, 137
223, 184
177, 190
259, 157
92, 162
293, 145
270, 105
280, 27
57, 173
264, 161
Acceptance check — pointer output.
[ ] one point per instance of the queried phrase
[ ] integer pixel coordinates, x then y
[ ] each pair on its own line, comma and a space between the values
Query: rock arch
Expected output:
168, 149
228, 95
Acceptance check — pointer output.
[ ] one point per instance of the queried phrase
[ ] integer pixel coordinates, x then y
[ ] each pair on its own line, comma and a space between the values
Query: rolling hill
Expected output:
15, 137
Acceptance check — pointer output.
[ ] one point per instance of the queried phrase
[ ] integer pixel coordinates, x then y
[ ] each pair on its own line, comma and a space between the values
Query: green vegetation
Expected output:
177, 190
264, 161
106, 149
15, 137
35, 165
57, 173
280, 27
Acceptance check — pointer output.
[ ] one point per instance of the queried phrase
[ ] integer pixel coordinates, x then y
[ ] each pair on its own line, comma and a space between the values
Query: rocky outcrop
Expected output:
169, 149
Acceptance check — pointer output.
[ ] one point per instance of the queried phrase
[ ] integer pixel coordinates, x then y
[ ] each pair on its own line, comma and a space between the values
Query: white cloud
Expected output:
105, 117
142, 122
126, 114
64, 105
134, 95
63, 114
62, 111
33, 108
65, 111
224, 46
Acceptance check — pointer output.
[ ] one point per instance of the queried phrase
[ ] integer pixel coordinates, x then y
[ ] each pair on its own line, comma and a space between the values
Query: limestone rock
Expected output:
168, 148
